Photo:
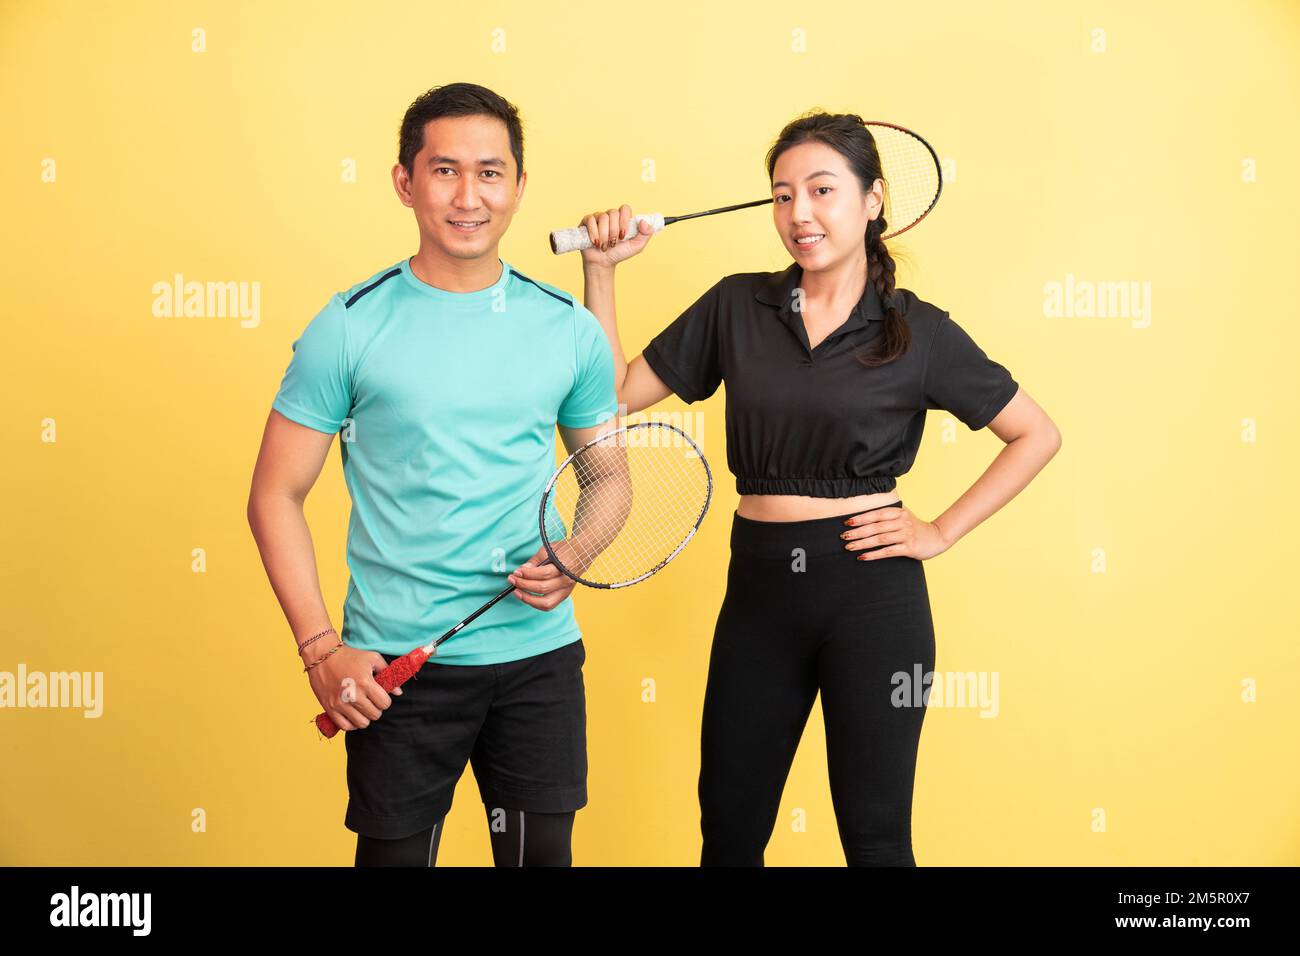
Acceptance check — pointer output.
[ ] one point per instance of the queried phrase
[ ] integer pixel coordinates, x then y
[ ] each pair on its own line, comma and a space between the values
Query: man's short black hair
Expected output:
457, 99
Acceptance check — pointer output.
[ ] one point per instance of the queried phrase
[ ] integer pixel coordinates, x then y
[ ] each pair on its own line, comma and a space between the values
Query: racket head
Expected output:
648, 489
913, 177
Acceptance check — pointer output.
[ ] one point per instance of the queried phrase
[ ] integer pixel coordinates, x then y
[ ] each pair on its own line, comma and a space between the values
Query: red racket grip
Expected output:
394, 675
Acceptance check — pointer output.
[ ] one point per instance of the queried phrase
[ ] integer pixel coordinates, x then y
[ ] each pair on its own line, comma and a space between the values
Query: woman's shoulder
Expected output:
752, 282
920, 315
737, 292
769, 287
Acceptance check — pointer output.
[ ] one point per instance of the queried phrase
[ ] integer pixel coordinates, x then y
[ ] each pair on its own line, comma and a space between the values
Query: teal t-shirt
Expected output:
446, 405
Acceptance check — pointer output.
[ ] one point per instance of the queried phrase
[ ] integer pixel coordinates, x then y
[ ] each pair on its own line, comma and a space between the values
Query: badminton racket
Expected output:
913, 181
614, 512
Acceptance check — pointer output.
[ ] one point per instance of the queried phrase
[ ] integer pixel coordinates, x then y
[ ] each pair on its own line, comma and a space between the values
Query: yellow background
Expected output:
1121, 690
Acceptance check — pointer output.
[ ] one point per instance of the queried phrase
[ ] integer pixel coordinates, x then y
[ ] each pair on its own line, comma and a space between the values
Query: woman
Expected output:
829, 373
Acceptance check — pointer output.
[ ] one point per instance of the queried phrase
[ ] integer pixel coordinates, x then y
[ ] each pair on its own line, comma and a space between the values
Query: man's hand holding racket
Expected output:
345, 686
543, 586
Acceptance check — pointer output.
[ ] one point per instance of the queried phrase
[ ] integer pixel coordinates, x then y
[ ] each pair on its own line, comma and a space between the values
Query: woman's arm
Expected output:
1032, 440
637, 385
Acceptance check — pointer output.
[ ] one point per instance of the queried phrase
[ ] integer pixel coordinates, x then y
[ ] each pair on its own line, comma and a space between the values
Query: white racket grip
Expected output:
569, 240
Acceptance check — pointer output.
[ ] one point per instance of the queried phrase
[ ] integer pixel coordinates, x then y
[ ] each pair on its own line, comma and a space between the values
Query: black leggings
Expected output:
519, 838
802, 615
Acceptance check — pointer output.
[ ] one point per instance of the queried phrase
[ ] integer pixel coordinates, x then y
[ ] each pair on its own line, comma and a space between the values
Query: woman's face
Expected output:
816, 194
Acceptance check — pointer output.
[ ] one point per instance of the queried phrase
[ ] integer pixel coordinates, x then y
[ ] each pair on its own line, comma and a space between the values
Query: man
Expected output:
445, 376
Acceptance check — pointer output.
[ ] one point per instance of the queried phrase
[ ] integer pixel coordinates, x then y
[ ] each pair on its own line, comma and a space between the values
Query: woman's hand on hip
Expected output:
902, 533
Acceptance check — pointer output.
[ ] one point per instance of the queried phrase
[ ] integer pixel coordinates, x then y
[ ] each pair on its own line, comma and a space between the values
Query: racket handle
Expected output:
568, 240
394, 675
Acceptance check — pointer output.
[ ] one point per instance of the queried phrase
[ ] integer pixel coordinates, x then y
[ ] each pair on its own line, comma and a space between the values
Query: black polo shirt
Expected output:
814, 421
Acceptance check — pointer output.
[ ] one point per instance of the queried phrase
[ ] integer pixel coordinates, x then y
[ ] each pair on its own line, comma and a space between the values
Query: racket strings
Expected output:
630, 533
912, 178
624, 505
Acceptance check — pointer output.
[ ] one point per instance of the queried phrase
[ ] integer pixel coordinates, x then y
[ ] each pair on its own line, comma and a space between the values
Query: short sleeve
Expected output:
685, 354
592, 399
961, 379
317, 387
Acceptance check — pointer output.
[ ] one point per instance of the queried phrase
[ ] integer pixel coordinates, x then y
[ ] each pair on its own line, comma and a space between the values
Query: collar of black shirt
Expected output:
778, 288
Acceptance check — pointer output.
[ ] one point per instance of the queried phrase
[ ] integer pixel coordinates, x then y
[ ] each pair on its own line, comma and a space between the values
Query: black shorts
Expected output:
522, 725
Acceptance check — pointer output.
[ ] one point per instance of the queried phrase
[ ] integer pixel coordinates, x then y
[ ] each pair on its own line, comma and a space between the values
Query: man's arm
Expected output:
288, 464
604, 493
546, 586
575, 438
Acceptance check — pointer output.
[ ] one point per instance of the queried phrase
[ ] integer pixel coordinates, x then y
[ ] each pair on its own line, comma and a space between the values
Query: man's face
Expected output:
462, 185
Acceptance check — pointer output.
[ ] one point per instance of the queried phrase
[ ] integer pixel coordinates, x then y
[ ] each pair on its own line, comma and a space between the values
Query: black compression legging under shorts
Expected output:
519, 838
802, 615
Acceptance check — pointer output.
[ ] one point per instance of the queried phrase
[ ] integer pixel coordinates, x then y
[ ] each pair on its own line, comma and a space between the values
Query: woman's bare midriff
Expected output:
804, 508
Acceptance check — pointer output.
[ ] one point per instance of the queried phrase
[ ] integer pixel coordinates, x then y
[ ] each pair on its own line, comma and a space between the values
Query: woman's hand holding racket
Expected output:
616, 235
345, 686
913, 181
